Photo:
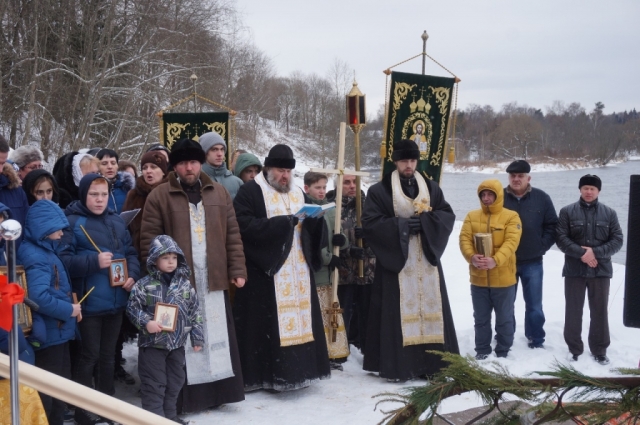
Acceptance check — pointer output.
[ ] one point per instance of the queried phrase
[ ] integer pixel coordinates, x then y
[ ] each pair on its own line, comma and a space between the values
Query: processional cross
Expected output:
340, 171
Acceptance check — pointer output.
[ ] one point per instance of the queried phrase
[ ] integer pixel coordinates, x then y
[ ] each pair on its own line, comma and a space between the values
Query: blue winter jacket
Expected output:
123, 183
49, 284
109, 232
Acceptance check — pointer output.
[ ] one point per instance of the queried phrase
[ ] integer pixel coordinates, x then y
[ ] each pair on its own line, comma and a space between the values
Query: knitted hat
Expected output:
26, 154
519, 166
590, 180
156, 158
405, 149
186, 150
280, 156
209, 140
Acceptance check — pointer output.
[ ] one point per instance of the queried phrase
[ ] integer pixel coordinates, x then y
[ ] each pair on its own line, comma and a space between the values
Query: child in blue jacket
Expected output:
97, 236
54, 323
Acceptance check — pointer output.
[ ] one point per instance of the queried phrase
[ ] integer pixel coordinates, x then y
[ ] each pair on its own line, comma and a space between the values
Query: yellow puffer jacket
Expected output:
505, 228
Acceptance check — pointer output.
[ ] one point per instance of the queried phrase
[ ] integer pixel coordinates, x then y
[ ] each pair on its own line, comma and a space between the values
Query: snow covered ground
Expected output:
346, 398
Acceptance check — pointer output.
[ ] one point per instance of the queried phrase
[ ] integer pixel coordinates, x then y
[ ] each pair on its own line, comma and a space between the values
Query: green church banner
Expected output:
419, 110
176, 126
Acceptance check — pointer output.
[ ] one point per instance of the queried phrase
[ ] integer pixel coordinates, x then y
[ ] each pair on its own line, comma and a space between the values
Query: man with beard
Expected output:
407, 223
354, 291
277, 313
198, 214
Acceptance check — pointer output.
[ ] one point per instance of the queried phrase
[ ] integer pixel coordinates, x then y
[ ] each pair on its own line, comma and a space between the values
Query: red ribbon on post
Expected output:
10, 294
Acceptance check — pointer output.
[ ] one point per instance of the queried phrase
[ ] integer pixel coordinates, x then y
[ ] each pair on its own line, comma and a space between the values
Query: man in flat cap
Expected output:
277, 313
539, 221
198, 213
589, 234
407, 222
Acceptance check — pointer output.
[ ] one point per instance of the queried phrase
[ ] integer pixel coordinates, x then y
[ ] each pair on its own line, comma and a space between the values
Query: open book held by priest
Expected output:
313, 210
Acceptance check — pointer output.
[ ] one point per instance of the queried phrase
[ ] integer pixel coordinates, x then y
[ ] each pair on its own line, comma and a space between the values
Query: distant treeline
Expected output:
562, 131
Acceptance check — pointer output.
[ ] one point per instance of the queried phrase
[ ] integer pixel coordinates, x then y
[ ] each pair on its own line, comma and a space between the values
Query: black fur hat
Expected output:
405, 149
186, 150
590, 180
280, 156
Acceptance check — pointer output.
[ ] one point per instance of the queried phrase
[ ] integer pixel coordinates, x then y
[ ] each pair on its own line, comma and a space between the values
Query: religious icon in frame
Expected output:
118, 273
166, 315
24, 313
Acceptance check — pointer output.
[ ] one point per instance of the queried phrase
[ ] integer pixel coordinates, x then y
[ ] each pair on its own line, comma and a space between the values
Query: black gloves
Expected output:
356, 252
358, 232
335, 262
414, 225
294, 220
338, 239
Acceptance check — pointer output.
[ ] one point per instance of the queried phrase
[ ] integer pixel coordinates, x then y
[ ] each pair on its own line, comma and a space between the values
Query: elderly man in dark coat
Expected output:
198, 214
280, 330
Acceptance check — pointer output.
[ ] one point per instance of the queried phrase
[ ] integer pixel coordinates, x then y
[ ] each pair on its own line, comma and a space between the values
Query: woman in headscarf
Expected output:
154, 171
40, 184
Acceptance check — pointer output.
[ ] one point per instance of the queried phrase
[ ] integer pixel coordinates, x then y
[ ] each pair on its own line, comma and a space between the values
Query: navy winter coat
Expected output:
123, 183
109, 232
49, 284
539, 220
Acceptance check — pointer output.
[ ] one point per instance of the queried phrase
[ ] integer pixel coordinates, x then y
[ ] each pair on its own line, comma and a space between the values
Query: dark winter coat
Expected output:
109, 233
13, 197
167, 213
539, 220
594, 225
49, 284
348, 265
28, 185
136, 198
153, 289
63, 173
120, 187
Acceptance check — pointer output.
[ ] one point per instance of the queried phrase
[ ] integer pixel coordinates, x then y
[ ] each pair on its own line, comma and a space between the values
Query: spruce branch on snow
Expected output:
594, 400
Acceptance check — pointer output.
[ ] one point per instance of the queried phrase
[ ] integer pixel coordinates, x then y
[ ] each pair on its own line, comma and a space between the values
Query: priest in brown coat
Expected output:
198, 213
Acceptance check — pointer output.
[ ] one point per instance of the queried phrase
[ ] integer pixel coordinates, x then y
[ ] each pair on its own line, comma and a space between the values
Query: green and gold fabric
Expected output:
419, 108
176, 126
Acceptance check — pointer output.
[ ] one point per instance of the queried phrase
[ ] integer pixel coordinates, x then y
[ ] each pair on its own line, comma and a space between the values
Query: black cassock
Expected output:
267, 243
388, 236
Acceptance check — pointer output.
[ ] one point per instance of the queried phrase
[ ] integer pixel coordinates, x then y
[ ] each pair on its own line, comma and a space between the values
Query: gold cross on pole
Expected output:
340, 171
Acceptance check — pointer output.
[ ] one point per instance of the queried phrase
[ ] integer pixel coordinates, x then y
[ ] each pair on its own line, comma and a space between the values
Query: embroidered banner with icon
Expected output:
176, 126
419, 109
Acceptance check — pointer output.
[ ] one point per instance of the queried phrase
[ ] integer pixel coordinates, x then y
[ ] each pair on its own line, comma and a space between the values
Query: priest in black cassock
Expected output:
277, 313
407, 223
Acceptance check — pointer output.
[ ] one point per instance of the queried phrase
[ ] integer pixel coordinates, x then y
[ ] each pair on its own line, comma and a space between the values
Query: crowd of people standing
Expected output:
250, 279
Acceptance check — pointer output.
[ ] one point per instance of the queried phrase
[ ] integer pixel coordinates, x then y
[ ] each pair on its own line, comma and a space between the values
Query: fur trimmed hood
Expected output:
12, 180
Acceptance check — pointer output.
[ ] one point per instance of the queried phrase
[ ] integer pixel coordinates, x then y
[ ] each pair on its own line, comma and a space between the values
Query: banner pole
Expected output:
424, 37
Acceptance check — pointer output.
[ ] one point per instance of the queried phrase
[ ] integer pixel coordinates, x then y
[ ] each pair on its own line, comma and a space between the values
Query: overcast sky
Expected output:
532, 52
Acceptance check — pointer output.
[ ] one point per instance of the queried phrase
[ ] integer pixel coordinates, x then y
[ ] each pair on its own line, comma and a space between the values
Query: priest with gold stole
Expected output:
407, 223
277, 313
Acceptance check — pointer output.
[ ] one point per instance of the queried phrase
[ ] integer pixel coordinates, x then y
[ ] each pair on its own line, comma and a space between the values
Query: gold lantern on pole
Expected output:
356, 118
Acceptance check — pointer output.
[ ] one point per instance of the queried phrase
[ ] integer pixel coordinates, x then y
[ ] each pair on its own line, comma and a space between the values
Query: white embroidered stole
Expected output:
420, 299
214, 362
292, 282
